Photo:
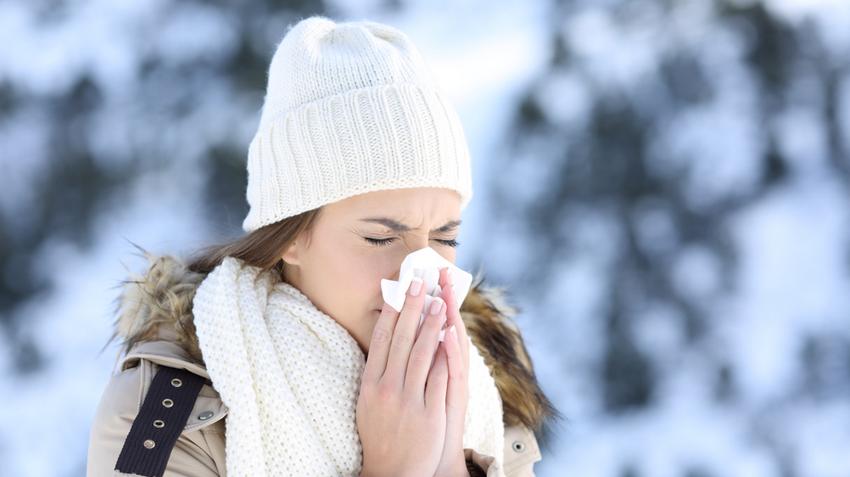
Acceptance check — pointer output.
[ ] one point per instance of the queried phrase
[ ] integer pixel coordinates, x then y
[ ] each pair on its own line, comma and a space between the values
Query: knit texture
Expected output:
290, 377
350, 108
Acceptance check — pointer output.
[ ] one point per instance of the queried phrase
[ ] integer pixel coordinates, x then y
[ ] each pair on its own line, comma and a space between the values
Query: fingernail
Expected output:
415, 286
453, 331
436, 306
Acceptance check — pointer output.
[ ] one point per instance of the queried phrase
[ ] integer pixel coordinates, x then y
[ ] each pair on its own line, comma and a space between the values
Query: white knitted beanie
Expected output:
350, 107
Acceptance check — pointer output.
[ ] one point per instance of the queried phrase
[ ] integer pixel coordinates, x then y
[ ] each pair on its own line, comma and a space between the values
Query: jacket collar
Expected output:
154, 322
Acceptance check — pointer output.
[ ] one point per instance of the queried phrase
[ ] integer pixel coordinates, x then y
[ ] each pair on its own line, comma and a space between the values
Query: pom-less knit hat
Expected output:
350, 107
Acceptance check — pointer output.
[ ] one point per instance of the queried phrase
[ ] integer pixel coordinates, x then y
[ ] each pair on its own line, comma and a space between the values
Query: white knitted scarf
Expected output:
289, 375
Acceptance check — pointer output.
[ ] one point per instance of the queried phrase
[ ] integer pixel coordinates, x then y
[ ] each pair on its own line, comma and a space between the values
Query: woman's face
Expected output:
339, 265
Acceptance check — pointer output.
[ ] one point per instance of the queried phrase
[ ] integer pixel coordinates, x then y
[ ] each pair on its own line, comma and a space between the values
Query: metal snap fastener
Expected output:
205, 415
519, 446
159, 423
167, 402
149, 444
176, 382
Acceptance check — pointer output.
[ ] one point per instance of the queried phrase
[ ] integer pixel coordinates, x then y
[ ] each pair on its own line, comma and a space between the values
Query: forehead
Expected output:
401, 203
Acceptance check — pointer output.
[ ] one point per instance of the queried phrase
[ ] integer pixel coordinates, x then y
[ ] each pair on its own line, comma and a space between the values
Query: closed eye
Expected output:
382, 242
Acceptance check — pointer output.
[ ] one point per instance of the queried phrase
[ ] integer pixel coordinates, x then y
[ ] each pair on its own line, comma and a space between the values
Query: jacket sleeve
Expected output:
483, 465
520, 454
480, 465
119, 404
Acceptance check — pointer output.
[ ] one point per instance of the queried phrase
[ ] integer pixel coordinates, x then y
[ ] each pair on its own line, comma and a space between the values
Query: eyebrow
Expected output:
400, 227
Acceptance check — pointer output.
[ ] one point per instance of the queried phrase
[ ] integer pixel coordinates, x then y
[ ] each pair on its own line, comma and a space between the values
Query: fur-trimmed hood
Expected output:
157, 305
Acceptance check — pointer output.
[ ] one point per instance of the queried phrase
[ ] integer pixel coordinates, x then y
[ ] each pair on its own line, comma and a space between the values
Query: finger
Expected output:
379, 344
435, 389
453, 316
404, 334
463, 340
422, 354
457, 370
448, 295
457, 391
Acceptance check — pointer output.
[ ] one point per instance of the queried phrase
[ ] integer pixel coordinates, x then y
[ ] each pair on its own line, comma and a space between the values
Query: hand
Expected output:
452, 462
401, 409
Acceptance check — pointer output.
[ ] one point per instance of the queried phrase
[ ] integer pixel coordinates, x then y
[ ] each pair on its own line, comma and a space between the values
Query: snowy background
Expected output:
661, 185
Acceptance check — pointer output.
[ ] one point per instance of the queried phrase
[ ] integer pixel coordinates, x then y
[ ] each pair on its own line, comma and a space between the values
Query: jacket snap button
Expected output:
205, 415
149, 444
159, 423
519, 446
176, 382
167, 402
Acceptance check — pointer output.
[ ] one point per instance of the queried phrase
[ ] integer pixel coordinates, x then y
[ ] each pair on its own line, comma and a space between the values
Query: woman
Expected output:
275, 354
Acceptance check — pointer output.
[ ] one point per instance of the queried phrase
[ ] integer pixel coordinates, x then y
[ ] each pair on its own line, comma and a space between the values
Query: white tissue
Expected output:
426, 264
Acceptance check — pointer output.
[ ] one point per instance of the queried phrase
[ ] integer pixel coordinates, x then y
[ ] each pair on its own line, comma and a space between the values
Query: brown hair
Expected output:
261, 248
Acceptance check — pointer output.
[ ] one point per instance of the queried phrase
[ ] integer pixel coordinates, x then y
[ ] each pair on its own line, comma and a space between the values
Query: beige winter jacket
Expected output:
155, 324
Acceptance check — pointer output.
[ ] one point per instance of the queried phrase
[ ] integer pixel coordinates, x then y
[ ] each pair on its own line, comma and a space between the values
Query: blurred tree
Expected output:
617, 160
160, 120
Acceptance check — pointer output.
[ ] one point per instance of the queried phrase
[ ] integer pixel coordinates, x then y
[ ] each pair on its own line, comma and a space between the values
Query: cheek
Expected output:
359, 292
366, 278
355, 273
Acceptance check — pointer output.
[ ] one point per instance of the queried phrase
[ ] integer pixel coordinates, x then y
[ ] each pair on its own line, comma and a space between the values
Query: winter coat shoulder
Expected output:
154, 322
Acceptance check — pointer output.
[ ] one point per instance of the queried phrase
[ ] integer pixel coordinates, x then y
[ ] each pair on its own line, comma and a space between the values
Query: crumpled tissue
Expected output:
426, 264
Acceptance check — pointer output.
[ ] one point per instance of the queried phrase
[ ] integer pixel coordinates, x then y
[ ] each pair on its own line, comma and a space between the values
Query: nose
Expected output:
412, 244
416, 242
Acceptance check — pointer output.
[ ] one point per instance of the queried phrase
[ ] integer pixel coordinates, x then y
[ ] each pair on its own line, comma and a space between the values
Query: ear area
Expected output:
291, 254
